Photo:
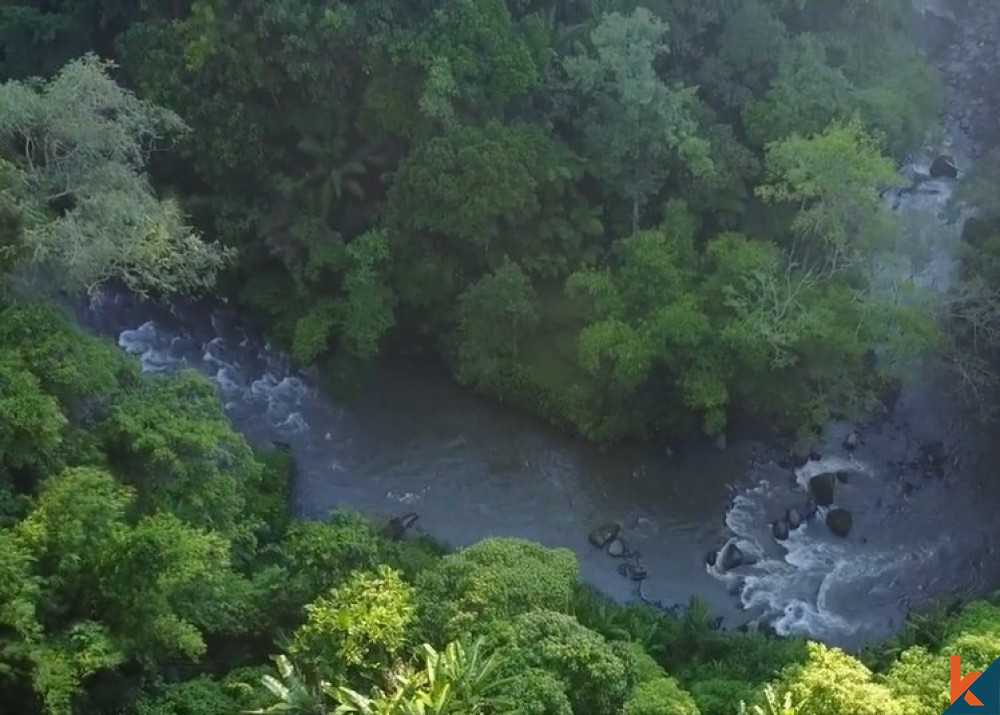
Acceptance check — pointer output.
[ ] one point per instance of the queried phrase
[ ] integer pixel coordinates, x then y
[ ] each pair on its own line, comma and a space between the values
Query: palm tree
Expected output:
336, 171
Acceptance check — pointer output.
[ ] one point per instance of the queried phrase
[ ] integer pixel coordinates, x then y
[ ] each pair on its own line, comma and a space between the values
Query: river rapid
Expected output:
473, 469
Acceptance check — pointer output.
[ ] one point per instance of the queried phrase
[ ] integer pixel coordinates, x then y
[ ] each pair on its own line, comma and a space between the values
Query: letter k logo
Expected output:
960, 686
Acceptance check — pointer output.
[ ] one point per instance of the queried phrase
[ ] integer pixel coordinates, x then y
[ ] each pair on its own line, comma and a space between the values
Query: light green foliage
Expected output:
924, 678
171, 440
84, 375
644, 315
461, 679
836, 178
79, 378
365, 312
831, 682
923, 675
765, 301
538, 692
645, 666
493, 580
31, 423
356, 628
636, 126
772, 704
114, 589
317, 557
455, 681
661, 696
80, 143
595, 679
12, 247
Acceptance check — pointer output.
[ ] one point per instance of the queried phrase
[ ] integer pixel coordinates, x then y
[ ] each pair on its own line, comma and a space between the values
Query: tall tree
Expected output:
636, 126
77, 148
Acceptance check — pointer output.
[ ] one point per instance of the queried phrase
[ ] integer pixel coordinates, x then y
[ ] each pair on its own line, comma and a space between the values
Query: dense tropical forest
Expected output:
634, 220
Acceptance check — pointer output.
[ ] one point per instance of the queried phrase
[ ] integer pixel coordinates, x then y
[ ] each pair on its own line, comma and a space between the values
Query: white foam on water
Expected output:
826, 465
279, 393
814, 584
138, 341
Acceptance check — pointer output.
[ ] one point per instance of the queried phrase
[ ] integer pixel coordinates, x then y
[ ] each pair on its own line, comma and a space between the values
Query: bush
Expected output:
495, 579
660, 697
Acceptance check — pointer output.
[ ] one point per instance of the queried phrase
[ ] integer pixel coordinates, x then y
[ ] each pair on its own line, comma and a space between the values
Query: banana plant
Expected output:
773, 706
455, 681
294, 695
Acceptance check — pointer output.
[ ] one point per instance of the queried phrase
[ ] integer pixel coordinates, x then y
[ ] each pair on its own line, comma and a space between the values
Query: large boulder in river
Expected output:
605, 534
821, 489
793, 518
801, 451
944, 167
839, 522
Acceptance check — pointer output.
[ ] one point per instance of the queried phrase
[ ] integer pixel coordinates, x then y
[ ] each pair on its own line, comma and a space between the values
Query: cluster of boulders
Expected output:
609, 537
821, 493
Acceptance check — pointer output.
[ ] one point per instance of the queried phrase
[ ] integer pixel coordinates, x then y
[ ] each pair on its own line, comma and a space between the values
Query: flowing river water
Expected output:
473, 469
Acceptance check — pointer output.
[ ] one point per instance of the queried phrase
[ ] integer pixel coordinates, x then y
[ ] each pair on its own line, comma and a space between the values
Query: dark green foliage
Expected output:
631, 219
171, 441
428, 177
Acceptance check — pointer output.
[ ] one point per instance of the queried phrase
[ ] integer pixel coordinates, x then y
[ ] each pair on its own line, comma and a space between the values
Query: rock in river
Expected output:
711, 557
731, 557
634, 567
779, 528
852, 440
605, 534
793, 518
944, 166
801, 452
821, 488
616, 548
839, 522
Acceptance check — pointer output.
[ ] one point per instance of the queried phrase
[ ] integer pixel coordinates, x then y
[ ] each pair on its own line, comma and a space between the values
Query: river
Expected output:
473, 469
